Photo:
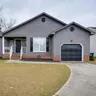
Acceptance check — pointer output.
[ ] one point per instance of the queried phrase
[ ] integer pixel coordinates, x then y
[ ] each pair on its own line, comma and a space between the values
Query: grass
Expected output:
92, 62
31, 79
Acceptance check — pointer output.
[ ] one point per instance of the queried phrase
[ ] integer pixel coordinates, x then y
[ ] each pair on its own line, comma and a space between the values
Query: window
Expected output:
72, 29
39, 44
24, 43
43, 19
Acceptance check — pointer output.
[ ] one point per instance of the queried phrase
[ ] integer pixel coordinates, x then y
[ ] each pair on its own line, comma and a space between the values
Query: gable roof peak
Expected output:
43, 13
77, 24
37, 16
73, 22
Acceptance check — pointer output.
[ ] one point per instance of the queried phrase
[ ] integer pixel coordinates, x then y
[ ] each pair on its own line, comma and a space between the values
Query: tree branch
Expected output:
4, 23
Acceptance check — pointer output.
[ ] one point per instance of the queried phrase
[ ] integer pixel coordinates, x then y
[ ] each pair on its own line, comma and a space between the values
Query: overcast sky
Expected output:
81, 11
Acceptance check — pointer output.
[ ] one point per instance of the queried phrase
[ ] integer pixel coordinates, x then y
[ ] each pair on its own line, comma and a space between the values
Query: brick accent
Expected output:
86, 58
46, 57
5, 56
25, 56
34, 57
1, 55
56, 58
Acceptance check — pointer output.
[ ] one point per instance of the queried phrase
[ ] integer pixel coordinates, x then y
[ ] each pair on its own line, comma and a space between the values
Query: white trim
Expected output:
39, 46
11, 51
3, 45
73, 43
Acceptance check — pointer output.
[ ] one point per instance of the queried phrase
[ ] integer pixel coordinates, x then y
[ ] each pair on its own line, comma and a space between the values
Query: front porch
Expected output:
14, 47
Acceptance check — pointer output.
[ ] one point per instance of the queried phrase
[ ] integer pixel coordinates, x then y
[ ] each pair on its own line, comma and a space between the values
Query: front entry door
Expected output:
18, 46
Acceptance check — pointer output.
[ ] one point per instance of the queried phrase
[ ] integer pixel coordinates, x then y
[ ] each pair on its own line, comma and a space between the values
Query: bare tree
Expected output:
4, 23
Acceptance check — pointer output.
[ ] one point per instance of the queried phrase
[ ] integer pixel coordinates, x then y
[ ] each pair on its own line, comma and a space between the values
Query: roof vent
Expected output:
43, 19
72, 29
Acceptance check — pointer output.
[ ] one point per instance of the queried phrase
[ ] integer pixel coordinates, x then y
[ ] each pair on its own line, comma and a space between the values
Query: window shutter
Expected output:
31, 44
47, 44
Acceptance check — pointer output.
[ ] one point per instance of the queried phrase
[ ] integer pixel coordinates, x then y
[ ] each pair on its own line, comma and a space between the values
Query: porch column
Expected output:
2, 45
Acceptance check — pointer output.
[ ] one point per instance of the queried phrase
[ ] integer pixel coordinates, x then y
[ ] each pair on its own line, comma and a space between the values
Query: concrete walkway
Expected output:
82, 81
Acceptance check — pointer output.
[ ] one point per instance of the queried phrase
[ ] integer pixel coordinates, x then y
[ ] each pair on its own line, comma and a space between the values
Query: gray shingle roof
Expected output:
92, 28
87, 29
45, 14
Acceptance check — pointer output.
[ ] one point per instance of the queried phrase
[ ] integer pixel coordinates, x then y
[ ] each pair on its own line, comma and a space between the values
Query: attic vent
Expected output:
43, 19
72, 29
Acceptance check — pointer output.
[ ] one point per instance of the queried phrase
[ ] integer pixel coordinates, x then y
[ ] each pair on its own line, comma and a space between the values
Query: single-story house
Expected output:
46, 37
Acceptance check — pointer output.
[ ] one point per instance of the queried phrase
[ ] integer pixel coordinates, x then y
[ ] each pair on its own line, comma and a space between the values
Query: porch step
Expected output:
15, 57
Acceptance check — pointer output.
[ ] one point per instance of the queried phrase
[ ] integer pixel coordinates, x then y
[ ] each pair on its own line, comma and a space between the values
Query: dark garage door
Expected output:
71, 52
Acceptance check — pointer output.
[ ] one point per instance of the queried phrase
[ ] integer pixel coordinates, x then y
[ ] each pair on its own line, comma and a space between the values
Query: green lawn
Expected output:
32, 79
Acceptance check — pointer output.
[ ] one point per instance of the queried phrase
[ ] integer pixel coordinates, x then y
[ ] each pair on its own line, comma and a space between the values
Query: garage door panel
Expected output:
71, 52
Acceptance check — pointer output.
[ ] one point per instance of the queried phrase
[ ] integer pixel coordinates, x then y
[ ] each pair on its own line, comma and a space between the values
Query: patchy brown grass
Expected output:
31, 79
92, 62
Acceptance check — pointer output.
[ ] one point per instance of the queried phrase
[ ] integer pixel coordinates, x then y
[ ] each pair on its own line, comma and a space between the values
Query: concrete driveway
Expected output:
82, 81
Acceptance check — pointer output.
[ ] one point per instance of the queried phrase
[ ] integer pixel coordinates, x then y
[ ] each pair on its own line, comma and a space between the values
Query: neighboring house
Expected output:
93, 41
46, 37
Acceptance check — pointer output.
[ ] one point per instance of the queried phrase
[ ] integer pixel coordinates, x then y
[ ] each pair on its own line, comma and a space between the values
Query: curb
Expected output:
57, 93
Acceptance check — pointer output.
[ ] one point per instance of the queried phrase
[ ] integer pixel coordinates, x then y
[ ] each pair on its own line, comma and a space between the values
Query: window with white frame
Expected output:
39, 44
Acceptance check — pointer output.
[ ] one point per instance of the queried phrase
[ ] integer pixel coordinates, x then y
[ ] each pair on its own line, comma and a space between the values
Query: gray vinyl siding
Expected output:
35, 28
0, 45
65, 36
93, 44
